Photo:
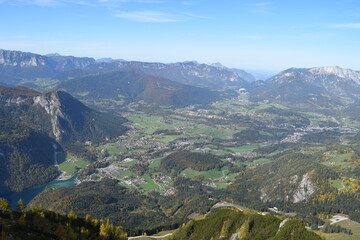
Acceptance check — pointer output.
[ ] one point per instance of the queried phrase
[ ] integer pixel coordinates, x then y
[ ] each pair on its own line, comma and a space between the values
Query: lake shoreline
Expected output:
30, 193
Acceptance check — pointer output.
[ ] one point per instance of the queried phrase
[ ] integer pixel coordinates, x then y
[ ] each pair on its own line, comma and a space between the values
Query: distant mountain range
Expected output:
336, 80
19, 67
16, 65
190, 73
175, 84
322, 86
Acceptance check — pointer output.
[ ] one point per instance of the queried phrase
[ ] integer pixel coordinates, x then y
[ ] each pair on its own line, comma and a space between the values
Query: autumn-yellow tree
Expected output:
4, 205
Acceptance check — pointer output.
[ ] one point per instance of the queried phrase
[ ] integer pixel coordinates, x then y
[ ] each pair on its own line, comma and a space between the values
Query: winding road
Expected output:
154, 237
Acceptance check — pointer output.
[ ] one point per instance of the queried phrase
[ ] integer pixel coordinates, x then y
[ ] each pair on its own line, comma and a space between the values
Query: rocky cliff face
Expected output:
51, 104
16, 65
58, 114
22, 59
337, 71
294, 189
304, 189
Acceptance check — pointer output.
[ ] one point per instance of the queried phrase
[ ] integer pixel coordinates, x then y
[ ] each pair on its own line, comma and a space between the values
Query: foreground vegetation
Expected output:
233, 224
39, 223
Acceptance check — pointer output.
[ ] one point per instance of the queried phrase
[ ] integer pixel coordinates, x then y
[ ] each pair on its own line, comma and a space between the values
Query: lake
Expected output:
28, 194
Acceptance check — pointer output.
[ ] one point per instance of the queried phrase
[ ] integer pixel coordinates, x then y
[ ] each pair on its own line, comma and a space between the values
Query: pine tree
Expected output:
88, 218
21, 207
4, 205
72, 215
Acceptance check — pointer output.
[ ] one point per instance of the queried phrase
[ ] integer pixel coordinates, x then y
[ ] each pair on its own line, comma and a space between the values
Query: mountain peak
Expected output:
218, 65
193, 62
53, 55
338, 71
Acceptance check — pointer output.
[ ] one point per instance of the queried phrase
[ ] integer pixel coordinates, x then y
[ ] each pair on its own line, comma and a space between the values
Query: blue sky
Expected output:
246, 34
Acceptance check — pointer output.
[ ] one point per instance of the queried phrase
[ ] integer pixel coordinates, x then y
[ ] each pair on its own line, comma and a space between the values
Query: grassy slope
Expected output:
354, 226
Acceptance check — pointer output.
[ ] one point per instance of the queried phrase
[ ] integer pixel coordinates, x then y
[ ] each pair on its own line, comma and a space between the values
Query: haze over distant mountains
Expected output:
16, 65
133, 86
310, 87
319, 85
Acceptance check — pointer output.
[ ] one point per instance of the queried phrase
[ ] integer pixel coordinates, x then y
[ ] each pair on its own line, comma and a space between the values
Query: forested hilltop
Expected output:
235, 225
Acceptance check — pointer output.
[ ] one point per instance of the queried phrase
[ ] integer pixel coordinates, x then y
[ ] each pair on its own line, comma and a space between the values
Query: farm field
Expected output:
71, 164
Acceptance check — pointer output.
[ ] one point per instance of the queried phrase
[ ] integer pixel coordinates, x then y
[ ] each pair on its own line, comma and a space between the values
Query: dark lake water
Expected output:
28, 194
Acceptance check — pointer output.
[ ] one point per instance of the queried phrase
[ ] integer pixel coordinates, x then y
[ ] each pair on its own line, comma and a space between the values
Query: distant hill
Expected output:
129, 87
297, 93
136, 212
180, 160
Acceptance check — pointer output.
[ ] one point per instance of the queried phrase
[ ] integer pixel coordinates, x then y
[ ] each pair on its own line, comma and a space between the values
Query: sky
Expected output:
268, 35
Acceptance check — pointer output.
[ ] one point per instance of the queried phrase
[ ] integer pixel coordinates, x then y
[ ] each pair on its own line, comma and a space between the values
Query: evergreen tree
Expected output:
21, 207
4, 205
72, 215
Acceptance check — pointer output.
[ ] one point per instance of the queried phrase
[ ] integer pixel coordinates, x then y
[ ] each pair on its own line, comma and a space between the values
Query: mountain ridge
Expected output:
16, 66
131, 86
336, 80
